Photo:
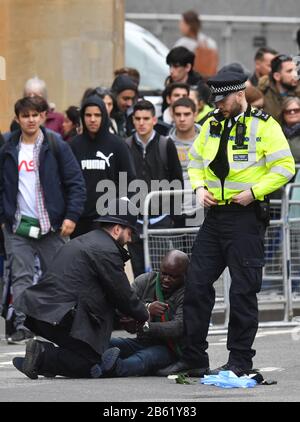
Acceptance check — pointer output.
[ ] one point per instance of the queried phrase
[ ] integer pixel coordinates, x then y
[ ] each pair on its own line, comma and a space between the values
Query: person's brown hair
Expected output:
191, 18
27, 104
253, 94
184, 102
133, 73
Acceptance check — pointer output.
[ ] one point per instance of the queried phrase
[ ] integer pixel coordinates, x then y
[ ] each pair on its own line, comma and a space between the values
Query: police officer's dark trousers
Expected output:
232, 236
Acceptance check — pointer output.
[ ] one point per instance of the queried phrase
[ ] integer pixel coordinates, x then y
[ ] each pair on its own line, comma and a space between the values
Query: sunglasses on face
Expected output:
292, 111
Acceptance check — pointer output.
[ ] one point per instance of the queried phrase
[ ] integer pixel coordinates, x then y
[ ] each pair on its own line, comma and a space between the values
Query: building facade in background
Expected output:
68, 44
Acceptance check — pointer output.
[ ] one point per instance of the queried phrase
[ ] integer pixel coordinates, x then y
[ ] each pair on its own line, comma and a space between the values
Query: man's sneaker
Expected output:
182, 367
20, 337
33, 358
108, 363
233, 368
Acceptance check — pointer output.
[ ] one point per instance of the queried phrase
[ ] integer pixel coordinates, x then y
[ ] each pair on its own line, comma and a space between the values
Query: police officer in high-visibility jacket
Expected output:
240, 156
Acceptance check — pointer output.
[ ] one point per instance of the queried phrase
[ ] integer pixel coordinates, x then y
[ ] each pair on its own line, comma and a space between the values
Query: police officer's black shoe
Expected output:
239, 372
182, 367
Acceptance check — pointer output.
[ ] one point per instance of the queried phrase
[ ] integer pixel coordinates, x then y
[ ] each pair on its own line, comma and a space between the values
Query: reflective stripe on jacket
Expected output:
264, 162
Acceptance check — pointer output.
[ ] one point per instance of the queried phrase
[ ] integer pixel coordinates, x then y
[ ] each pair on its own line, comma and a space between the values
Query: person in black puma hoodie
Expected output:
101, 156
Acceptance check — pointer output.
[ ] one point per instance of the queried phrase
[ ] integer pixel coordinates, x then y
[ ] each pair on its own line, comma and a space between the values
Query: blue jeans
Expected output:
136, 359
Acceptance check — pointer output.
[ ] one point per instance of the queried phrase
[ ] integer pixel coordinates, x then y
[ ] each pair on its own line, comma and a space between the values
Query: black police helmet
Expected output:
225, 83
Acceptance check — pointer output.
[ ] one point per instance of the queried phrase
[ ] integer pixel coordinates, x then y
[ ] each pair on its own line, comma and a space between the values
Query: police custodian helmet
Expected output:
225, 83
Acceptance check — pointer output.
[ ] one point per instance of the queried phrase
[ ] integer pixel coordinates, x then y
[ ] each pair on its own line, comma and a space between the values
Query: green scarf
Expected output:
173, 345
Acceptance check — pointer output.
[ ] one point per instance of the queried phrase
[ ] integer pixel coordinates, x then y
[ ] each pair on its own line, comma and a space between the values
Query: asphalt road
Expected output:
278, 358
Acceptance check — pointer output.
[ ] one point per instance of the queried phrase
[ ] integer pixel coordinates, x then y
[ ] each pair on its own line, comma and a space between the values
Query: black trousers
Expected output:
230, 236
72, 358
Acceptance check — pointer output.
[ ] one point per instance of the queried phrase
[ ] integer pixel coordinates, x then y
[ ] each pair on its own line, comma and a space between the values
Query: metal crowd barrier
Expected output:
293, 241
282, 257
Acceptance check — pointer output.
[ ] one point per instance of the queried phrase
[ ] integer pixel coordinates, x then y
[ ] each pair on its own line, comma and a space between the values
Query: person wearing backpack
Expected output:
156, 160
204, 47
41, 198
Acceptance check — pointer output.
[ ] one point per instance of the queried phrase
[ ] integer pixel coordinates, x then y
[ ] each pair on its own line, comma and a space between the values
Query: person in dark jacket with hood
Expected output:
101, 155
73, 305
125, 92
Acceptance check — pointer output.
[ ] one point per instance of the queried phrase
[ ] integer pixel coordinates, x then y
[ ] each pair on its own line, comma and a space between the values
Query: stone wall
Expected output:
71, 44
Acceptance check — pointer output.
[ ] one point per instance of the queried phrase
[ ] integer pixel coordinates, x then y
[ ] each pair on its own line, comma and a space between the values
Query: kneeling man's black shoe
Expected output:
18, 364
33, 359
182, 366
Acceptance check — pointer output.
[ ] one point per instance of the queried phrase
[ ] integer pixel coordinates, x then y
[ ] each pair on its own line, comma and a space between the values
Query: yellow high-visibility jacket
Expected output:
263, 163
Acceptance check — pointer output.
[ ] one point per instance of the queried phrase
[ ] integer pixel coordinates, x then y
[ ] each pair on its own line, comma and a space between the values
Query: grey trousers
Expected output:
21, 252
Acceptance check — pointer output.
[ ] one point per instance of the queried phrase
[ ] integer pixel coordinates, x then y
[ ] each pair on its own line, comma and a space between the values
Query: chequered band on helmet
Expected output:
227, 88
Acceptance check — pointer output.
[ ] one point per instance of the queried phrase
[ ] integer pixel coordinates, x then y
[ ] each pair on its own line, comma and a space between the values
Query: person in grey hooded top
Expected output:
102, 156
183, 135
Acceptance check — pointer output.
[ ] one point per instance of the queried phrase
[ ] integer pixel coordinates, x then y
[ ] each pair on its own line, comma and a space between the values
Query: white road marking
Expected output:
271, 369
274, 332
26, 384
217, 344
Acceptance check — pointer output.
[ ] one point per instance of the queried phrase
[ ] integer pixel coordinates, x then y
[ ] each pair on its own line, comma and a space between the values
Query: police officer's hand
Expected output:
244, 198
157, 308
205, 198
67, 228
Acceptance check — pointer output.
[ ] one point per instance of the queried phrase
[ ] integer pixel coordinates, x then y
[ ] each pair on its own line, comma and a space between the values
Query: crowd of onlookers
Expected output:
113, 130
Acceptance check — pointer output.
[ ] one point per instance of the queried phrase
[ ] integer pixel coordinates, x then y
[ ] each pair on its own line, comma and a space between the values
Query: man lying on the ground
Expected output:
157, 342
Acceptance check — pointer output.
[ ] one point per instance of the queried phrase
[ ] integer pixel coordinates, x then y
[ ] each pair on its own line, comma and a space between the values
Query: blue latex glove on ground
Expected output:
228, 379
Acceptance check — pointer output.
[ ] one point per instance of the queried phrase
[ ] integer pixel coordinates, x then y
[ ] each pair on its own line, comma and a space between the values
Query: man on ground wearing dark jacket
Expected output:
158, 341
101, 156
41, 198
73, 305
